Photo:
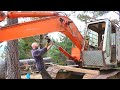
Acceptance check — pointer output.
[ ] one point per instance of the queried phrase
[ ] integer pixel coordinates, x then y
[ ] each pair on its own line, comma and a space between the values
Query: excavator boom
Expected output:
55, 23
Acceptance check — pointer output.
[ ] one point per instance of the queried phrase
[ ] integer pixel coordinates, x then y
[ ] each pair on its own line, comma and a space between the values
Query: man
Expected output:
37, 55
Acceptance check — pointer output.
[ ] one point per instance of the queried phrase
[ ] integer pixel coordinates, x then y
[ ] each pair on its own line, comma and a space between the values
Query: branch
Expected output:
117, 13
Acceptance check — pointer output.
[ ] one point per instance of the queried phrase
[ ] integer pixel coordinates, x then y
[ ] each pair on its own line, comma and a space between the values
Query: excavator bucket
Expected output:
63, 74
69, 72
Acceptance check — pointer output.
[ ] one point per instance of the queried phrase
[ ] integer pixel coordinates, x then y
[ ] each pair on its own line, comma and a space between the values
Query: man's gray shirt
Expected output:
37, 55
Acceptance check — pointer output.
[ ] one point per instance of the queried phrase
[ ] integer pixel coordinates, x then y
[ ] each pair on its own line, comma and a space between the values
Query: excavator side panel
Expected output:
75, 52
93, 58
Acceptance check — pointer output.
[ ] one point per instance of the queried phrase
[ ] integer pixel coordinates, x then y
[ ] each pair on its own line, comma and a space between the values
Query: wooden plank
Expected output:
81, 70
73, 65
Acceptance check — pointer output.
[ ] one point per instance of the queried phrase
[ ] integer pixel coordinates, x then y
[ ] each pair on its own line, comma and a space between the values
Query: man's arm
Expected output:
45, 49
48, 46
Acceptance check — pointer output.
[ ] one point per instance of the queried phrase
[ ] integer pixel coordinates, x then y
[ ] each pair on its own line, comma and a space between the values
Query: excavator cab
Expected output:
107, 56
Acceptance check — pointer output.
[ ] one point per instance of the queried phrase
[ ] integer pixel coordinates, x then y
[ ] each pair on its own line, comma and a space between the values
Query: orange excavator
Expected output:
52, 22
90, 61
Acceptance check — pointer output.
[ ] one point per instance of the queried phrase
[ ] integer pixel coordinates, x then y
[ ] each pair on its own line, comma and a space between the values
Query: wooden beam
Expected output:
80, 70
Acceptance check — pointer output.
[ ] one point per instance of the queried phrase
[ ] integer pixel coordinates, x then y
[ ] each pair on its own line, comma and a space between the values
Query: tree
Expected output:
86, 17
118, 14
56, 55
115, 21
24, 49
13, 69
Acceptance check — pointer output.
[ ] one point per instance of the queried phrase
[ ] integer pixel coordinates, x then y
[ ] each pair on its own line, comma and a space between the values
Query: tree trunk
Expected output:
119, 15
13, 69
41, 41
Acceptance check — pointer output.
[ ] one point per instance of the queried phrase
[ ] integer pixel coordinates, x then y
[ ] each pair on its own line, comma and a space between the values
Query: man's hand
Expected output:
49, 42
47, 38
49, 46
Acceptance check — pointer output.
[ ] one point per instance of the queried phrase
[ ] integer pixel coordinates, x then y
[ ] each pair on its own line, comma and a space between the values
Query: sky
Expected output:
80, 25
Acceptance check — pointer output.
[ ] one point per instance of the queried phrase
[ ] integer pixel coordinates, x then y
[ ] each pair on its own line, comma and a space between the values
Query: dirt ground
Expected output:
33, 76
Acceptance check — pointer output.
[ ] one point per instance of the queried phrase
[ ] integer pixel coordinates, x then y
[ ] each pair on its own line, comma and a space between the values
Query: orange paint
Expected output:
15, 14
43, 26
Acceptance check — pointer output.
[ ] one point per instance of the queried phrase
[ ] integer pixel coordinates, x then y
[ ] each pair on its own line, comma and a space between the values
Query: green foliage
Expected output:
56, 55
83, 17
94, 14
23, 48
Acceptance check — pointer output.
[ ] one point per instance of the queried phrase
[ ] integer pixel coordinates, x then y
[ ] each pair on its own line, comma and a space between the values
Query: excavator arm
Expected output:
52, 22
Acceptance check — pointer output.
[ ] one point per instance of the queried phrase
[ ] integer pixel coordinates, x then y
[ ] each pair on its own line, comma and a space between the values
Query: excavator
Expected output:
93, 63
